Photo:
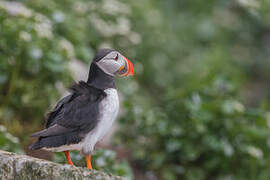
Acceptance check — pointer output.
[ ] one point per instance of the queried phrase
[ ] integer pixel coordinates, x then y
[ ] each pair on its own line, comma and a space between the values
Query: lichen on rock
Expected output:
22, 167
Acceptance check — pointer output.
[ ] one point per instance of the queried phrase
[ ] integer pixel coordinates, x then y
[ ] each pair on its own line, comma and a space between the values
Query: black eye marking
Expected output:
116, 57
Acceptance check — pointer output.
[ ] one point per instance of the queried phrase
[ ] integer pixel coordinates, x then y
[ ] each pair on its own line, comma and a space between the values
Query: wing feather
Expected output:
75, 112
51, 131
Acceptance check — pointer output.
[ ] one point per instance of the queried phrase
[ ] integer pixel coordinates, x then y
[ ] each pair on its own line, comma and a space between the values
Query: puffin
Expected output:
83, 117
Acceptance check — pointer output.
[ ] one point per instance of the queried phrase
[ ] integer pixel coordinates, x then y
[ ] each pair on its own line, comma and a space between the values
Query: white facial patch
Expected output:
111, 63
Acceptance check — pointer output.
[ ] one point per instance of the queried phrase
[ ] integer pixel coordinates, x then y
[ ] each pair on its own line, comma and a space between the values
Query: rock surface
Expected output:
22, 167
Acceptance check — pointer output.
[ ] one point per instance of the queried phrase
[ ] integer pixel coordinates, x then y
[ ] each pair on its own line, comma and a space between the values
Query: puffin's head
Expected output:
113, 63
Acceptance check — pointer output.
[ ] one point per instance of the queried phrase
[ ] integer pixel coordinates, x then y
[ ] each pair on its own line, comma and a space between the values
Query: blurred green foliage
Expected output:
38, 40
32, 62
198, 107
9, 142
200, 133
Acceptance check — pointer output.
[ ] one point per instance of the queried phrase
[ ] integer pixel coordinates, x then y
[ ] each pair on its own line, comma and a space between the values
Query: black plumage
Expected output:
102, 53
76, 114
72, 118
83, 118
99, 79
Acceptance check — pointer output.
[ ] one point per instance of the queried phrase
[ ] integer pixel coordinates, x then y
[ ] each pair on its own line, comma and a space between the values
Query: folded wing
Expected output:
73, 117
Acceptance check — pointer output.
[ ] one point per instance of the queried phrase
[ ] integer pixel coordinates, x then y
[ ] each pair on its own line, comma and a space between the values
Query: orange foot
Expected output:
68, 158
88, 161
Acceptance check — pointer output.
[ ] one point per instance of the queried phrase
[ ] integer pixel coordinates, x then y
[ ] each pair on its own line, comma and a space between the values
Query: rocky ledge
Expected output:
14, 166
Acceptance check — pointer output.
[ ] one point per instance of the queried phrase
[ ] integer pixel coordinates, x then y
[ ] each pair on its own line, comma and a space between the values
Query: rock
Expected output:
22, 167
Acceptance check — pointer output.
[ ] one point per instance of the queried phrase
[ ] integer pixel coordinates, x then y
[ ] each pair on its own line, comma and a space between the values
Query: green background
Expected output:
198, 105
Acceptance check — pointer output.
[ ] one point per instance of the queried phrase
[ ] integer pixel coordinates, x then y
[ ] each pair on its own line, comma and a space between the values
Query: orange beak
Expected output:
127, 69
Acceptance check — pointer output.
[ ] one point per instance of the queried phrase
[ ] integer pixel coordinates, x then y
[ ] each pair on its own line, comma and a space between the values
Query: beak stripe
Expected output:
127, 68
130, 68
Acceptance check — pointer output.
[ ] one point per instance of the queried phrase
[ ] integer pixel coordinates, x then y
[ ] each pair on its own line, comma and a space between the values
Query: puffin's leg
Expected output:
88, 161
68, 158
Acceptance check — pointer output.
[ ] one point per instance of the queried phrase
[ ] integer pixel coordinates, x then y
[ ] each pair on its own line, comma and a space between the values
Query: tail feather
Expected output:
56, 141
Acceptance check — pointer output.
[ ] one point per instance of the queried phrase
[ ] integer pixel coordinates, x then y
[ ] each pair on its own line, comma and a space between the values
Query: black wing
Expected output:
51, 117
73, 117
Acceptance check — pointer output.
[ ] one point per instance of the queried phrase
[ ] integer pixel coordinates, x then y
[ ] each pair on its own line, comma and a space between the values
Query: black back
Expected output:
72, 118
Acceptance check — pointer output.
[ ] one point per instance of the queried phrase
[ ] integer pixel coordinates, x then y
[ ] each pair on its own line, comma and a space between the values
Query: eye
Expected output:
116, 57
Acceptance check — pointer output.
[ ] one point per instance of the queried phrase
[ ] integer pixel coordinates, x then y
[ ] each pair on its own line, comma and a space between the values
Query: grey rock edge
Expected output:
22, 167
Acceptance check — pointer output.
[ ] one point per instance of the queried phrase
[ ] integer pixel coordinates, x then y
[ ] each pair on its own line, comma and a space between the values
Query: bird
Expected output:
83, 117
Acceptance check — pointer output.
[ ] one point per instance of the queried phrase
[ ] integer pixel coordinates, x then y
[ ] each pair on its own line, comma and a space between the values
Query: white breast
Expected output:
109, 107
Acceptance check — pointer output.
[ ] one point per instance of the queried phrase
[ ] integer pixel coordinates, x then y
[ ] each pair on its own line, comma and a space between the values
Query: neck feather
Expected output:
100, 79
